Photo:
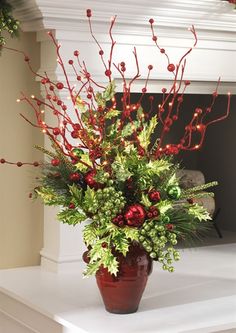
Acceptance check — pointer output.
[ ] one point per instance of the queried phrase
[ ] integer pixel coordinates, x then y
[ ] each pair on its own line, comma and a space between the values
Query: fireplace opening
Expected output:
217, 158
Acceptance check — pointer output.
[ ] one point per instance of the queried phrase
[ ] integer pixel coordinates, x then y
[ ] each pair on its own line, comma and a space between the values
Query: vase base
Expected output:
122, 311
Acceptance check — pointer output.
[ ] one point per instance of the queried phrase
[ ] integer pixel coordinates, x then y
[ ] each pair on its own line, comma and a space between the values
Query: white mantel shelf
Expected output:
197, 298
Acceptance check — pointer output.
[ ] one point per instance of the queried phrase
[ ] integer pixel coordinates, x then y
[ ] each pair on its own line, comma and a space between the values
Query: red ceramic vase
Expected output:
122, 293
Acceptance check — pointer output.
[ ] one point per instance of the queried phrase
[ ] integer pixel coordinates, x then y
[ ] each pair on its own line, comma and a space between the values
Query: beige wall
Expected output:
21, 220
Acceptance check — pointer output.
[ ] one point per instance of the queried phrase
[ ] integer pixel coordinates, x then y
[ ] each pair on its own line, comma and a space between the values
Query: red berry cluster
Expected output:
154, 196
153, 212
119, 220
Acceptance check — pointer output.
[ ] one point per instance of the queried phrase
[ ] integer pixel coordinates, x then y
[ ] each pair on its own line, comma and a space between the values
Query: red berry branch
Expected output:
69, 134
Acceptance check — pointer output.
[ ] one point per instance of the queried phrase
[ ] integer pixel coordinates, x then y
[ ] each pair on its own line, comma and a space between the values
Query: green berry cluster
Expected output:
107, 203
159, 243
7, 22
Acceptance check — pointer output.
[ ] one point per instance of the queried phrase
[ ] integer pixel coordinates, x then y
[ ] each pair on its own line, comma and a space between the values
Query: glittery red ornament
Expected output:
154, 196
90, 181
135, 215
56, 131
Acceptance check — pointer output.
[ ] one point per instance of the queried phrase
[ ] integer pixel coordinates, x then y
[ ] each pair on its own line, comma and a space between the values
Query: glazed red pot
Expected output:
122, 293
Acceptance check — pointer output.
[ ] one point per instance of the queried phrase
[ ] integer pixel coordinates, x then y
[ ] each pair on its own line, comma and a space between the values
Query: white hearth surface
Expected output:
198, 298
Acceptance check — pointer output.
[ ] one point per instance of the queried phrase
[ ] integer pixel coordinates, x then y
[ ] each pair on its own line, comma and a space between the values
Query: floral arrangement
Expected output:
111, 164
7, 21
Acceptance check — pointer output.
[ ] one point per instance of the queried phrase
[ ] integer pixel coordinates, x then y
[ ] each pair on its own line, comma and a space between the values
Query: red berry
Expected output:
175, 117
55, 161
56, 131
108, 72
150, 67
149, 215
104, 245
76, 127
27, 59
76, 53
122, 63
89, 12
154, 196
19, 164
162, 50
60, 85
3, 160
64, 107
144, 90
171, 67
78, 78
164, 90
74, 176
190, 201
151, 21
71, 205
187, 83
101, 52
59, 102
36, 164
169, 226
75, 134
154, 38
70, 62
155, 213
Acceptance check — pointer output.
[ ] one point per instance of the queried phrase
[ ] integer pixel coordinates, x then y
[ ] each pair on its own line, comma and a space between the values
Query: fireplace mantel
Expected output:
214, 20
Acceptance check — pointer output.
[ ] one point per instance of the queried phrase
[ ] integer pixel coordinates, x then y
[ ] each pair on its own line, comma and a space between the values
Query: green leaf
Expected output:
164, 205
76, 193
81, 104
158, 166
90, 234
71, 216
120, 168
199, 212
84, 158
92, 268
145, 201
89, 198
100, 100
145, 136
129, 128
109, 92
131, 233
50, 197
112, 113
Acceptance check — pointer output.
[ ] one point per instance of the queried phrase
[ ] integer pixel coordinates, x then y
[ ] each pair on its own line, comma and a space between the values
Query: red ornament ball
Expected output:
171, 67
19, 164
2, 161
90, 181
135, 215
151, 21
108, 72
154, 196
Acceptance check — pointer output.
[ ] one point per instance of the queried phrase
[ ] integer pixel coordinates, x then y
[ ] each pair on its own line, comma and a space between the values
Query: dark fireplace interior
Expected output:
217, 158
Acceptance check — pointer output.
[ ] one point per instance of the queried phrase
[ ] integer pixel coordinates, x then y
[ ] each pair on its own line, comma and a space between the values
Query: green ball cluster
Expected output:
159, 243
107, 204
7, 22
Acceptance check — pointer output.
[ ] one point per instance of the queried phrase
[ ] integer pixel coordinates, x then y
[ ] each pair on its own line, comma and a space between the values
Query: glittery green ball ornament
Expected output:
77, 152
174, 192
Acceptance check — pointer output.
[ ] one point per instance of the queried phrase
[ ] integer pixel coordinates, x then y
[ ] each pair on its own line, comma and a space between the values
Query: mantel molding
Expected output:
208, 15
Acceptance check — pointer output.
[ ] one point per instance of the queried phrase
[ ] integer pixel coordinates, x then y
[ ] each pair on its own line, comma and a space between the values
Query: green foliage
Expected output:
112, 113
199, 212
145, 136
7, 21
71, 216
120, 167
50, 197
77, 194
